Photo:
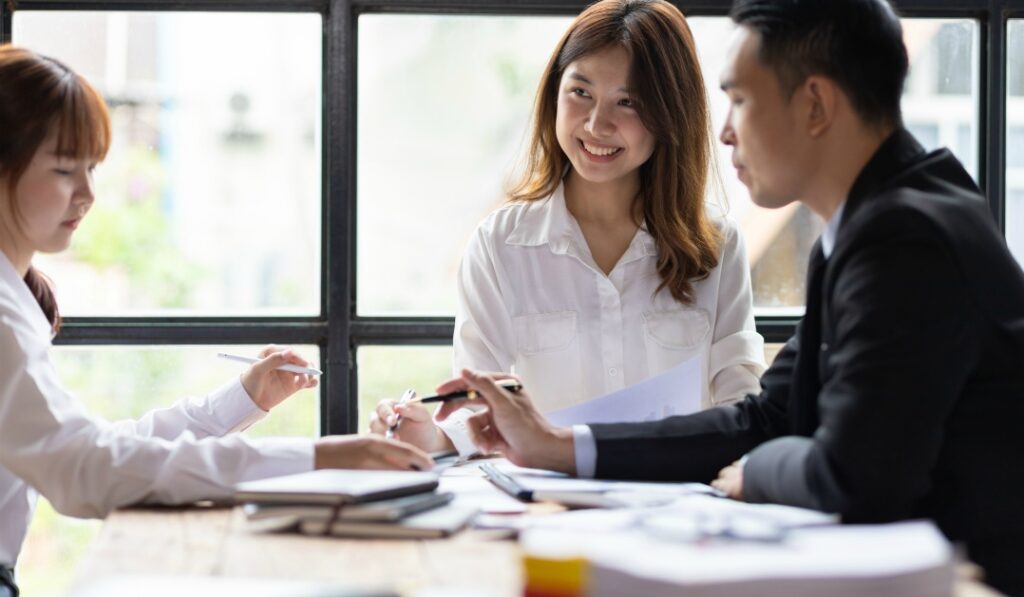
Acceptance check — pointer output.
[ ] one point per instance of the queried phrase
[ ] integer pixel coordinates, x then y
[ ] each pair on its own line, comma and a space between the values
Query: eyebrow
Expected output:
578, 77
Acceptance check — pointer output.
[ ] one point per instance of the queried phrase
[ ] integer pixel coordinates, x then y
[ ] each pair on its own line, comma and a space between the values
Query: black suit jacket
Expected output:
901, 395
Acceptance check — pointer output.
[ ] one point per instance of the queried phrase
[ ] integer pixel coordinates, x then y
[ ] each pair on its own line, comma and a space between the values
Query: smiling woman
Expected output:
604, 268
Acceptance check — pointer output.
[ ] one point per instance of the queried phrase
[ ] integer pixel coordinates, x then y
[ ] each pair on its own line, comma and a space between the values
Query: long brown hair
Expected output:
39, 96
672, 103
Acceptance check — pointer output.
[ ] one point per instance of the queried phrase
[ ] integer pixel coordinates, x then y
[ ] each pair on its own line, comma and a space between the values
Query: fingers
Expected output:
413, 412
494, 395
483, 433
403, 456
456, 384
377, 426
385, 412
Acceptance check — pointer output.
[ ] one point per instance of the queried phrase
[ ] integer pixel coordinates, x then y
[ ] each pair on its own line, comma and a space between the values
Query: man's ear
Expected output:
821, 97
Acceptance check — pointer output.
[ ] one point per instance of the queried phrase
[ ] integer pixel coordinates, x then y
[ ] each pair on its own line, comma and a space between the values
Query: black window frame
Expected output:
338, 330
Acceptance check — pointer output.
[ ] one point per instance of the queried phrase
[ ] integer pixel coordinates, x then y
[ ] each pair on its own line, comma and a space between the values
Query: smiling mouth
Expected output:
598, 151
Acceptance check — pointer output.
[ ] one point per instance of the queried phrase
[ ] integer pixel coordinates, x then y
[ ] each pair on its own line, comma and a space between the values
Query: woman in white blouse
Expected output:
604, 269
55, 128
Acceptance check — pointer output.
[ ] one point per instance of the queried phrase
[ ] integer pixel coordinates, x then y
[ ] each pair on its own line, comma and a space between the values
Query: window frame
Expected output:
338, 330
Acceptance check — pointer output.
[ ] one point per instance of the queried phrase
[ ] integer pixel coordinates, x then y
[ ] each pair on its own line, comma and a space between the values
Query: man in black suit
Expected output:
901, 393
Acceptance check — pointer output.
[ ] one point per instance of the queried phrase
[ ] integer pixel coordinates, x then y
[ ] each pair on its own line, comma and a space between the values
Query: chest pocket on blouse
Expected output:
672, 337
548, 358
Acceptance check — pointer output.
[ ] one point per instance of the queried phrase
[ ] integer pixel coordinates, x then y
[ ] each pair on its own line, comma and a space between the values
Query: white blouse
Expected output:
87, 466
533, 301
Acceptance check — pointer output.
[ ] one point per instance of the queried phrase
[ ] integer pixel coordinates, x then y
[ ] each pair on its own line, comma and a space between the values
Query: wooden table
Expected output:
214, 542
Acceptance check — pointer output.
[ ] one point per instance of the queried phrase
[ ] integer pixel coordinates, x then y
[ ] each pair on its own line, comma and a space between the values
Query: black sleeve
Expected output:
695, 447
901, 353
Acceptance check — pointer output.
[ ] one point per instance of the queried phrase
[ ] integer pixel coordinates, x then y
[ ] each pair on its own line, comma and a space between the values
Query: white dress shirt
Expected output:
87, 466
583, 439
533, 301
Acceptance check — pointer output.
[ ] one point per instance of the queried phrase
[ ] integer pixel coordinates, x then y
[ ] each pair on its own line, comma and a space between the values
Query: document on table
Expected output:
674, 392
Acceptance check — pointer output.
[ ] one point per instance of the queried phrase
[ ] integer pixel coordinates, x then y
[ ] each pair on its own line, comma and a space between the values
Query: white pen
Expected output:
406, 397
251, 360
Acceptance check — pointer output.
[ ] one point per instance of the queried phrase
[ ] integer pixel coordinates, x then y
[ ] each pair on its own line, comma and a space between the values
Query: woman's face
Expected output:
597, 124
52, 196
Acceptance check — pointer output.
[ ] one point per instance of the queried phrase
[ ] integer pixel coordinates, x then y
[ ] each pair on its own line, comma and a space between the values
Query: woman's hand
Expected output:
511, 424
415, 426
268, 386
369, 452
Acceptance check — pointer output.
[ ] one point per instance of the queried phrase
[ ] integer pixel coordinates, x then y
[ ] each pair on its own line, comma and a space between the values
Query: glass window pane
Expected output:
1015, 139
443, 108
209, 201
447, 106
387, 371
118, 382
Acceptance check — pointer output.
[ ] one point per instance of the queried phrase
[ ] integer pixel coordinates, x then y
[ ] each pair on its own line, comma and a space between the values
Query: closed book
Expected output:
432, 524
333, 487
282, 516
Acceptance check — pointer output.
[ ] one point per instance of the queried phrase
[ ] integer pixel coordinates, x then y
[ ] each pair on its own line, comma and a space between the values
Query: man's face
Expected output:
771, 155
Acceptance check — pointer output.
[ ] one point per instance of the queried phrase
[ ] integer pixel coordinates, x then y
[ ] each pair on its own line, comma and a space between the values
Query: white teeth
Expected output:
601, 151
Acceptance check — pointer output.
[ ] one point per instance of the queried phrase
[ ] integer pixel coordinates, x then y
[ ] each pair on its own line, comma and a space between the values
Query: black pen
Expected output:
509, 384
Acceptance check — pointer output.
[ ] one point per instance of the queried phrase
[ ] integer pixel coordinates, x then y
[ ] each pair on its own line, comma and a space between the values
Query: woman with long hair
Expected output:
605, 268
55, 129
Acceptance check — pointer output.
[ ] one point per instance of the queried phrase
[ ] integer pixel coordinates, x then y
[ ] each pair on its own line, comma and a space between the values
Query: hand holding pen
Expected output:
396, 418
409, 422
510, 424
275, 375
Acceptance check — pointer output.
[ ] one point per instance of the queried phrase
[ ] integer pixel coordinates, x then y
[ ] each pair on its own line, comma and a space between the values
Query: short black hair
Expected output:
856, 43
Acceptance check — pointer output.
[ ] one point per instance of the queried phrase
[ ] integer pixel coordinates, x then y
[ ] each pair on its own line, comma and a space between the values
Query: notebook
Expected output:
332, 487
386, 510
432, 524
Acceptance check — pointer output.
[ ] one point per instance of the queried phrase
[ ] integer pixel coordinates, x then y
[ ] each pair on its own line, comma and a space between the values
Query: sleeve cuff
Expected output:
282, 456
232, 409
457, 431
585, 447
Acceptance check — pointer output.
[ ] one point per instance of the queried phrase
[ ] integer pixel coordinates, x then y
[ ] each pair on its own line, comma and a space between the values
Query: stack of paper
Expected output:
353, 503
636, 558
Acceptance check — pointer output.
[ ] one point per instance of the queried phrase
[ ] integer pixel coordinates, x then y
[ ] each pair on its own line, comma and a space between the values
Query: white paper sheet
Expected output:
674, 392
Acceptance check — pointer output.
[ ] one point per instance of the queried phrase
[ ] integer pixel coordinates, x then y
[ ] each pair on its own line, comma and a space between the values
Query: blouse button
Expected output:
613, 371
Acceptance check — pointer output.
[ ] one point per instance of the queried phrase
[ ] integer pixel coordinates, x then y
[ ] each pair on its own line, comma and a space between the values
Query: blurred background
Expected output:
209, 203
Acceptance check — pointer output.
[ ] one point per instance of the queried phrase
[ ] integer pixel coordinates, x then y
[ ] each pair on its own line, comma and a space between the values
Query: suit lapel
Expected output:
806, 378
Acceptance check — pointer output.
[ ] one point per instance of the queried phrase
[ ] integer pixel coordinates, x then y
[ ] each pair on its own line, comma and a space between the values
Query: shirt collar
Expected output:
828, 237
548, 222
23, 297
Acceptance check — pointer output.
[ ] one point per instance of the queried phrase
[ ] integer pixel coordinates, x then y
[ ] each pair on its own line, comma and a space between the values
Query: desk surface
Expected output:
214, 542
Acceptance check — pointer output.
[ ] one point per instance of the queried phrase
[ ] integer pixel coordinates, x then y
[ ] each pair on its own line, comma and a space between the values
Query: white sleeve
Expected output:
484, 338
225, 410
737, 351
87, 467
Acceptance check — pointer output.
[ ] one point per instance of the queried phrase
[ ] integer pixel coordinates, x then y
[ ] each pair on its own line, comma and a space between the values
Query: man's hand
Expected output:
268, 386
369, 452
730, 480
511, 424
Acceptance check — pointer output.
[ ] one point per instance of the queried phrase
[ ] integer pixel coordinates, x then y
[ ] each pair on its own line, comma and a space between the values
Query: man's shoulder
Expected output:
940, 212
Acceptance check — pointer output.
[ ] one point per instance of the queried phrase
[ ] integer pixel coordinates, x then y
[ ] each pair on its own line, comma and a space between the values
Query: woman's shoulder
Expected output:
502, 223
728, 231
